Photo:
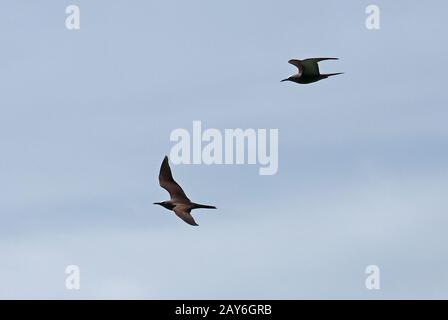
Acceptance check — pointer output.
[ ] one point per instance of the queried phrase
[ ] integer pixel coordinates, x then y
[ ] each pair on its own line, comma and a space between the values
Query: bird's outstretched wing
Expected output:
309, 67
298, 64
183, 212
167, 182
316, 60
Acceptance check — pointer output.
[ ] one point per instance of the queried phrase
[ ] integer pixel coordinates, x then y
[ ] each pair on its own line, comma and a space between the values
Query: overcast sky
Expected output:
85, 121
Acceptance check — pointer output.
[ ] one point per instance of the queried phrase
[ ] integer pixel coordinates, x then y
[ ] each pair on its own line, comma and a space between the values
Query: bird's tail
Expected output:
332, 74
202, 206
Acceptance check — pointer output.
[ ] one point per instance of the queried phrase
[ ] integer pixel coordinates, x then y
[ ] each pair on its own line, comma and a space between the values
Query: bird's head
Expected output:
166, 204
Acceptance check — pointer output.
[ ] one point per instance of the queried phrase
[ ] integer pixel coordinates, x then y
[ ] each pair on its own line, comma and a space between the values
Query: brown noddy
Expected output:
179, 202
309, 71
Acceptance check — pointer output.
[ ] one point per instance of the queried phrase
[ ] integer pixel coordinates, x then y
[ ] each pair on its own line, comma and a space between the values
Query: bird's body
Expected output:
308, 71
179, 202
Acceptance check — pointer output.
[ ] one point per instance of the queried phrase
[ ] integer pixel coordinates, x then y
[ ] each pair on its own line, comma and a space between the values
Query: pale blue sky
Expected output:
85, 120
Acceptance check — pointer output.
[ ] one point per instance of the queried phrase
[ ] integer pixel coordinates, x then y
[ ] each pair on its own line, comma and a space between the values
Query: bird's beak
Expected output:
157, 203
285, 80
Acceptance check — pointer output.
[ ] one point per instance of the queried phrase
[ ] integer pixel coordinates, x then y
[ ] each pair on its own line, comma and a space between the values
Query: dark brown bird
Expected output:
309, 71
179, 202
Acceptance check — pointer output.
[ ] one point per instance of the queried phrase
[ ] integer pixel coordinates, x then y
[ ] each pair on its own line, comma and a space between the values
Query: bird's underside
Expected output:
179, 202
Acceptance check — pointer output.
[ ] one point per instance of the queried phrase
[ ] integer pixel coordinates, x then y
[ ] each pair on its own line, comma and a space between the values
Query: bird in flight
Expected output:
179, 202
309, 71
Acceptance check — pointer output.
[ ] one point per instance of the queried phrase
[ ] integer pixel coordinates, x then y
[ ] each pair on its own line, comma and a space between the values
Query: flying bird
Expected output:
309, 71
179, 202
